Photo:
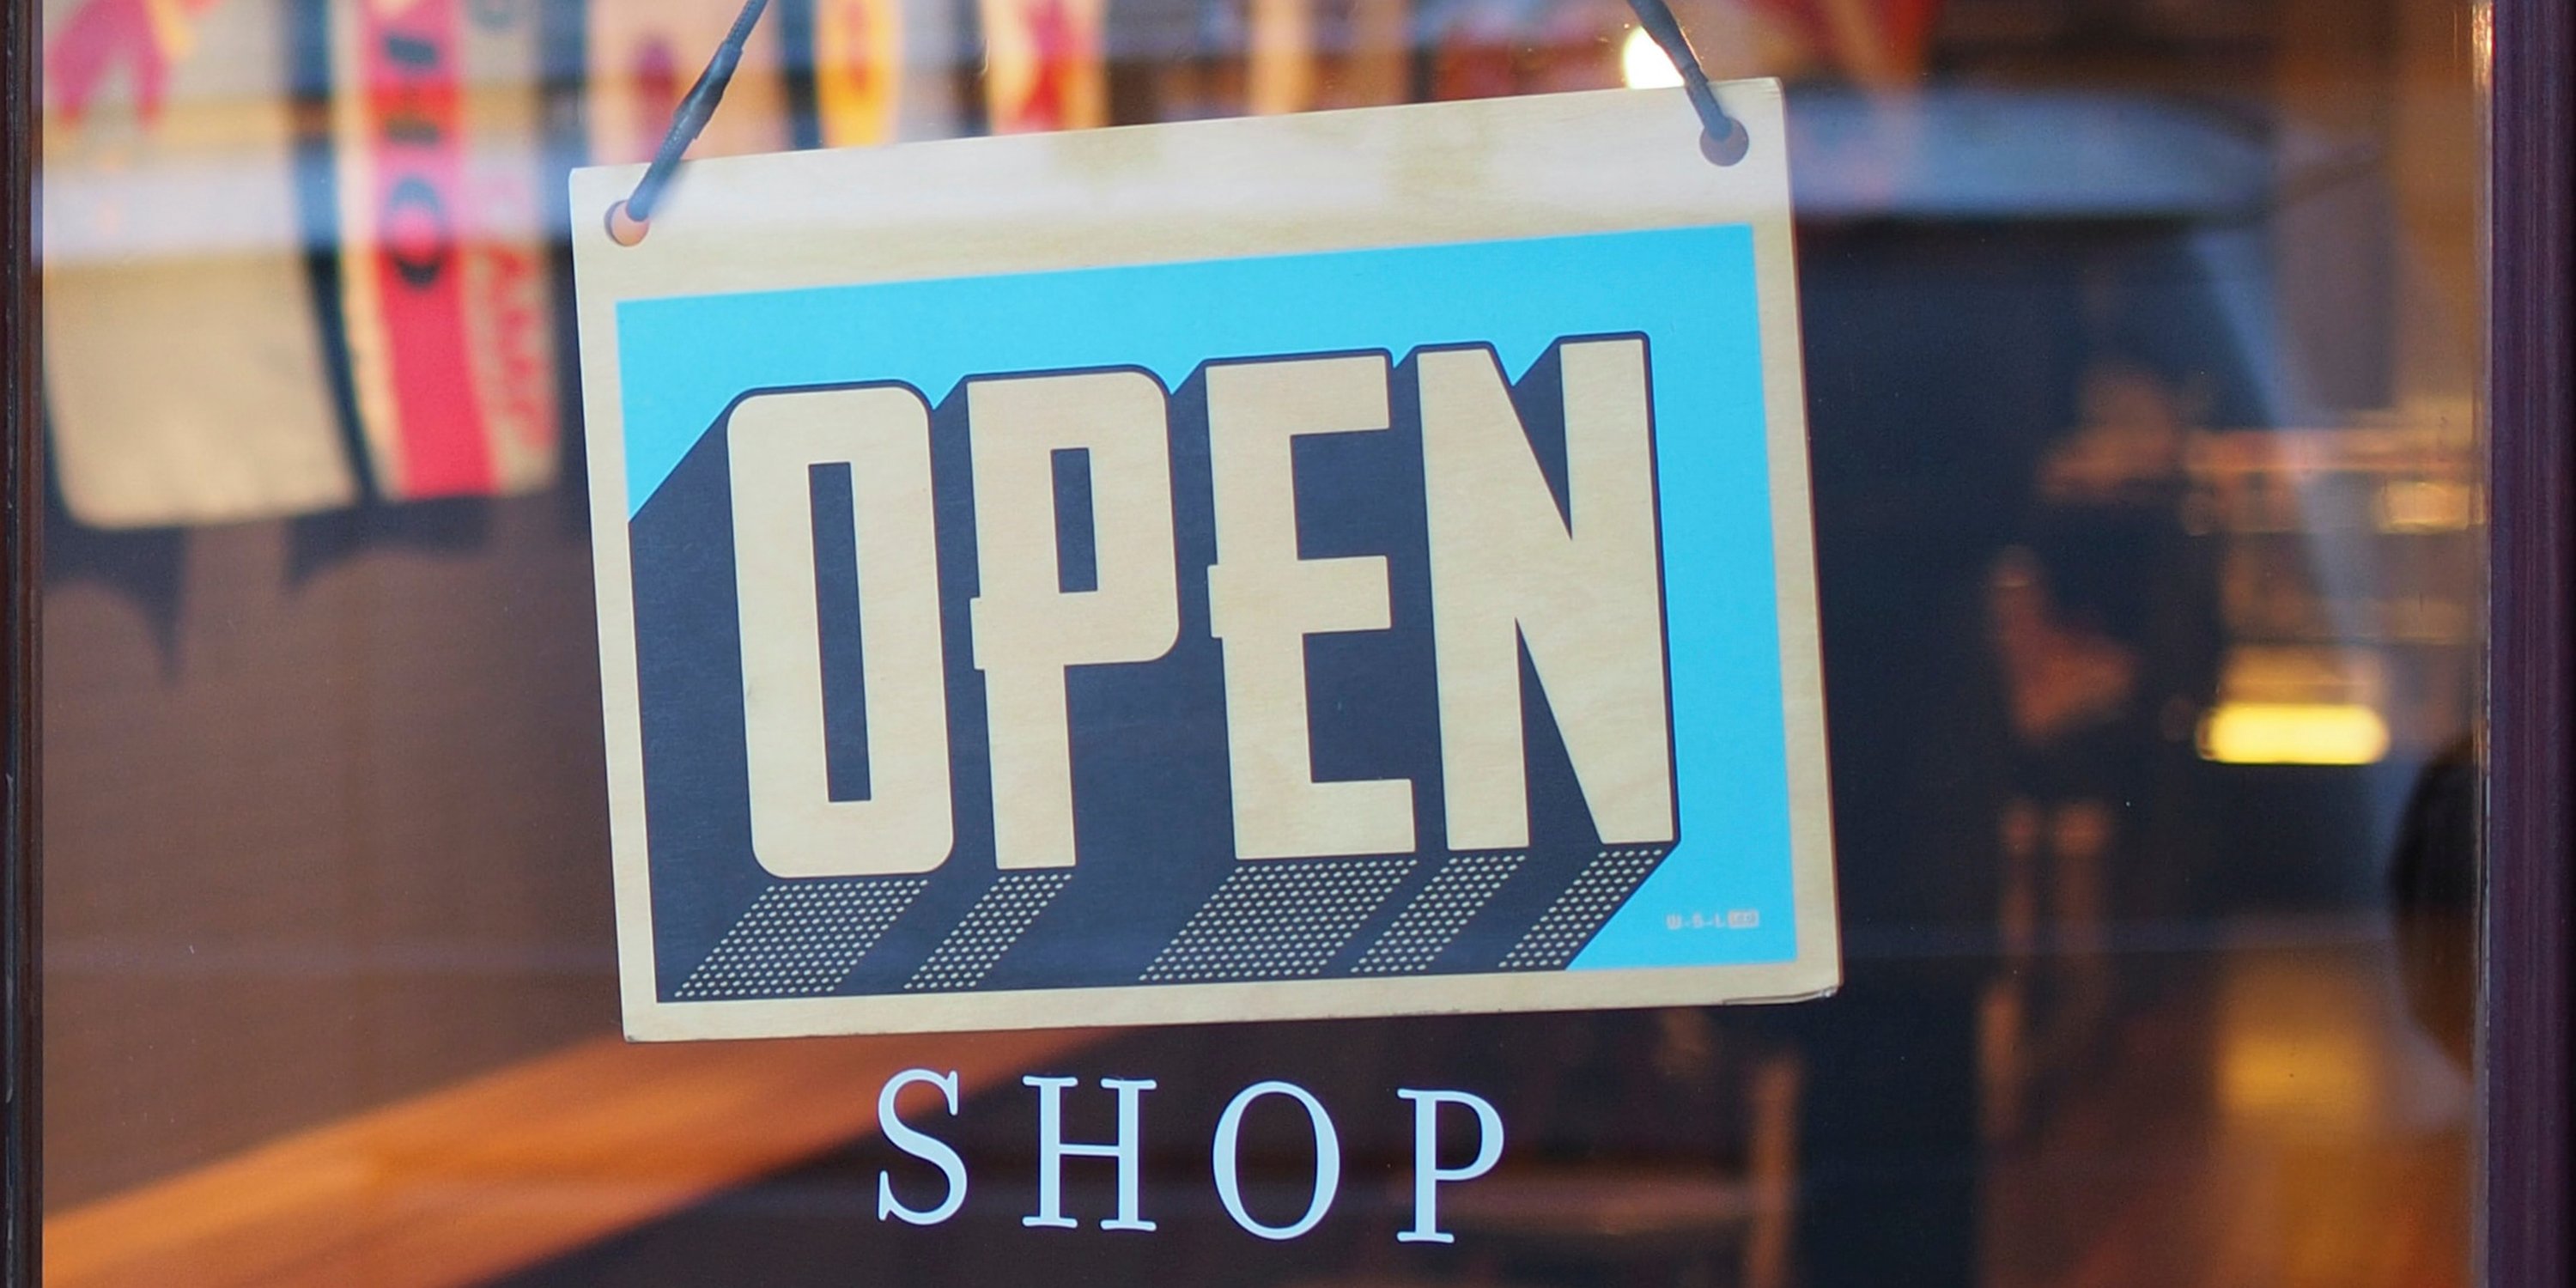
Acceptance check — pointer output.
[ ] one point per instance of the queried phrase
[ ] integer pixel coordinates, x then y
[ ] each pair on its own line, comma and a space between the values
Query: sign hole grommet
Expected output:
1720, 151
626, 230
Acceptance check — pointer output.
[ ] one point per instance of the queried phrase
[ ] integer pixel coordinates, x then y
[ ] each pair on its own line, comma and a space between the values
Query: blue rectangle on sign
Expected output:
1173, 873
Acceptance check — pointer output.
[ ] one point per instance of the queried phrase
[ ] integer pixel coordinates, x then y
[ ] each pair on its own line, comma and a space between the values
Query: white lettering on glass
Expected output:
1053, 1150
928, 1148
1428, 1174
1227, 1160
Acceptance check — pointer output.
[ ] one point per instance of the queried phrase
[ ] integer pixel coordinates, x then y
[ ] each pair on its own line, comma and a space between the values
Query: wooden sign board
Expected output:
1344, 564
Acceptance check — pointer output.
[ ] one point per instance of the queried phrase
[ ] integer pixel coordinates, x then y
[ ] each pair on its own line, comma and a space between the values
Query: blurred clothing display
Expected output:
443, 298
168, 248
1044, 64
644, 54
859, 69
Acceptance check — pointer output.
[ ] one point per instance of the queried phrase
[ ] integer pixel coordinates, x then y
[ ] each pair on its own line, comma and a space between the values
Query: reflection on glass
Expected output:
2141, 339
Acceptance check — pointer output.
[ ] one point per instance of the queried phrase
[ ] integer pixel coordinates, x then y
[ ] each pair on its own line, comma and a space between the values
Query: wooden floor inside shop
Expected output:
2278, 1122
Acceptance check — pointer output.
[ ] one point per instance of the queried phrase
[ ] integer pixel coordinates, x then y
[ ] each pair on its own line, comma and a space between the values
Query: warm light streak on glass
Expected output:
2482, 43
2294, 1043
2288, 733
2293, 1074
2426, 505
1643, 65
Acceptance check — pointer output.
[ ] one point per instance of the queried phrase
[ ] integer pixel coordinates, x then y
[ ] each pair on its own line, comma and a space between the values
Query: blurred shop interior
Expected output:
2142, 341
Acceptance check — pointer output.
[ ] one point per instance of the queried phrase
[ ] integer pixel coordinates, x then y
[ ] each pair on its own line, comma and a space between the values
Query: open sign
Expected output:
1104, 628
1072, 549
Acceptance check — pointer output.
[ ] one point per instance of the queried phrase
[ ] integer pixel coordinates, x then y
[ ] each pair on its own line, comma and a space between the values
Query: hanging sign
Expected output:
1342, 564
188, 379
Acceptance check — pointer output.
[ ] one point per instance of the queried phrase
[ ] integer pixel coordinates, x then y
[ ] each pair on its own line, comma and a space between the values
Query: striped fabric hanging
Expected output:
1044, 66
442, 289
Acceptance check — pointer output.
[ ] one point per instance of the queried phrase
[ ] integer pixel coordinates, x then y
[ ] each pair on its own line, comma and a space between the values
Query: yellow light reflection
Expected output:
2296, 1040
1643, 65
2295, 1075
2426, 505
2291, 733
2482, 43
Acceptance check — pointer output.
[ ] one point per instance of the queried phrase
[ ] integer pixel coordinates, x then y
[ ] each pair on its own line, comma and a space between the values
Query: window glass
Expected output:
2141, 343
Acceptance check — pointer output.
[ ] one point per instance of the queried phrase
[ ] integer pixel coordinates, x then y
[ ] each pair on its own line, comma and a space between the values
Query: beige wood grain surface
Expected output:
507, 1169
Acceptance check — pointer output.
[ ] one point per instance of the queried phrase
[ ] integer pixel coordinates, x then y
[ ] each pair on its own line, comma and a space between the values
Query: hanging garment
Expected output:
644, 54
187, 377
858, 66
441, 281
1043, 65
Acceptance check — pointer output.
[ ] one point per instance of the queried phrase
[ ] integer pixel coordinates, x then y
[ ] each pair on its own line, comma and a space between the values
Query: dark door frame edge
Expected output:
2523, 1001
21, 522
